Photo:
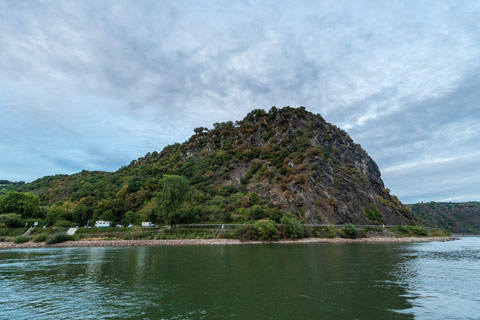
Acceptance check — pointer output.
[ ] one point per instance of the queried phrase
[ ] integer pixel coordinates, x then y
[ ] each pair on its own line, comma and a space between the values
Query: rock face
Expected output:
299, 163
284, 160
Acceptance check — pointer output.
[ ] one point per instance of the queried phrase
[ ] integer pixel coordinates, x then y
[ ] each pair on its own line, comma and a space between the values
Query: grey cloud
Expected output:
441, 132
101, 83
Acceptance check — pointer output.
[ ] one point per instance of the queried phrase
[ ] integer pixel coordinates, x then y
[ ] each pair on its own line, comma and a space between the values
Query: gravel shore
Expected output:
188, 242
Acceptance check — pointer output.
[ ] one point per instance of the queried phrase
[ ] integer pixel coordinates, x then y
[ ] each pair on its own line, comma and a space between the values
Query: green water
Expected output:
311, 281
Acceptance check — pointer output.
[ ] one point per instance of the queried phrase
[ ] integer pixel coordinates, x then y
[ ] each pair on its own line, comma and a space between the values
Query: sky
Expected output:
95, 84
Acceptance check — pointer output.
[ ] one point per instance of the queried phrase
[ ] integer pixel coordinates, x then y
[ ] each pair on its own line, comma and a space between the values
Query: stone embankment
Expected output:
186, 242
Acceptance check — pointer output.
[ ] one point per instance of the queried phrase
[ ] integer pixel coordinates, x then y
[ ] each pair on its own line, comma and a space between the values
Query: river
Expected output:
438, 280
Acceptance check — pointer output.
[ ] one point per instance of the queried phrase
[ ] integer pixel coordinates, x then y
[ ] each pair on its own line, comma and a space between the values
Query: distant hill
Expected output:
456, 217
282, 161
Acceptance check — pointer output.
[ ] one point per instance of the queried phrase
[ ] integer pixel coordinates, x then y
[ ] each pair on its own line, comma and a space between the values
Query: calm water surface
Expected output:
438, 280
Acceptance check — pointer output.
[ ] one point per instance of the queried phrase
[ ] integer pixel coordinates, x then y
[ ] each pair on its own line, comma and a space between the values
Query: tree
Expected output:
293, 227
25, 203
200, 130
256, 212
130, 218
107, 215
84, 210
172, 197
109, 209
57, 214
266, 230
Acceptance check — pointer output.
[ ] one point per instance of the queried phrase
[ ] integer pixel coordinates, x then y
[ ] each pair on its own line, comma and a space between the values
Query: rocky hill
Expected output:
463, 217
282, 161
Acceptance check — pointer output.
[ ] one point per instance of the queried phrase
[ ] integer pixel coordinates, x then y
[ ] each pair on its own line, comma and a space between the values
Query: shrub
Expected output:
402, 230
58, 238
275, 215
410, 230
308, 232
246, 233
325, 232
372, 214
438, 233
266, 230
300, 179
21, 239
349, 231
419, 231
257, 212
293, 227
42, 237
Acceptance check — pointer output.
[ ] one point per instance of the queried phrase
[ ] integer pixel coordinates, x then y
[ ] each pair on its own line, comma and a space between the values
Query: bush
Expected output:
246, 233
266, 230
21, 239
42, 237
293, 227
257, 212
308, 232
58, 238
325, 232
410, 230
438, 233
349, 231
275, 215
419, 231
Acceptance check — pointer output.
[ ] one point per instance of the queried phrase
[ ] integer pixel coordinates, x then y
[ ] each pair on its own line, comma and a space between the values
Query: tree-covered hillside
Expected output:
6, 186
455, 217
268, 164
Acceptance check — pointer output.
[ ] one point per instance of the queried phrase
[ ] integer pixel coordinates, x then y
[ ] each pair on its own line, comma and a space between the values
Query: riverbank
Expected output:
187, 242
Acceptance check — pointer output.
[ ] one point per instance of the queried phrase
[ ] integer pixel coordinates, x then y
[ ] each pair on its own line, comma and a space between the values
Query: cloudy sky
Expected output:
94, 84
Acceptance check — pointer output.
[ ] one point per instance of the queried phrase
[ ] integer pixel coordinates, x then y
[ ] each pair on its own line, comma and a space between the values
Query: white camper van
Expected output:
148, 224
103, 224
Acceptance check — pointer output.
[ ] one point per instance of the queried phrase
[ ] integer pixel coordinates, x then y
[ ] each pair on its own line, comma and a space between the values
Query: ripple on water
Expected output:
443, 279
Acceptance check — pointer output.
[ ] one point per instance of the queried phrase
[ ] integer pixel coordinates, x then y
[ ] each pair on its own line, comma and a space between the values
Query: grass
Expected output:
94, 230
151, 234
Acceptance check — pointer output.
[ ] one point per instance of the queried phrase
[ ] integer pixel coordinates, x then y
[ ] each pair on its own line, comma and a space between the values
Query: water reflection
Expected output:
321, 281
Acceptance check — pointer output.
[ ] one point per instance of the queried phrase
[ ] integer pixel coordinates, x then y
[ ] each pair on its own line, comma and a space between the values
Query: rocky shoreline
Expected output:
188, 242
